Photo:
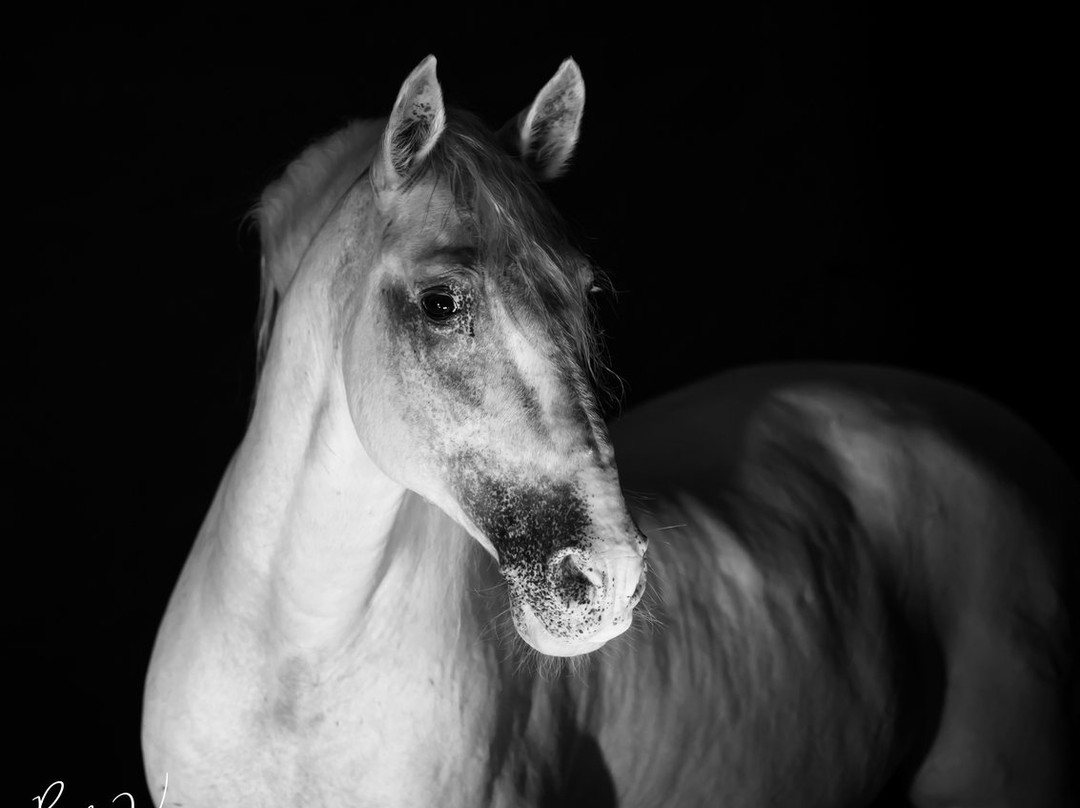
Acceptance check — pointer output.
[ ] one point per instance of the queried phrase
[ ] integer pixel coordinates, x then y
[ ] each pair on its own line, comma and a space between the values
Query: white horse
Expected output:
858, 578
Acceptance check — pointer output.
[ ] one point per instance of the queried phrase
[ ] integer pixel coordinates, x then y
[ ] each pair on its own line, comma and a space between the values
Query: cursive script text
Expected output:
58, 786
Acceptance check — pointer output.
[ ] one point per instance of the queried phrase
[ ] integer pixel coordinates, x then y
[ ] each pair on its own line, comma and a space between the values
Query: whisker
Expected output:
665, 527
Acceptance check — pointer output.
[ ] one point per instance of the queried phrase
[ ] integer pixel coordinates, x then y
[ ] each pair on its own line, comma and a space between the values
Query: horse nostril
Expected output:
574, 578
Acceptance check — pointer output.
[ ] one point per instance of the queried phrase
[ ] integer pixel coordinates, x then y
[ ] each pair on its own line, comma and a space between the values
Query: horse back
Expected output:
904, 509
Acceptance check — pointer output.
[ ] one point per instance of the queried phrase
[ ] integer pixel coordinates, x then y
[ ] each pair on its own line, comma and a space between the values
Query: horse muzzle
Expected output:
579, 599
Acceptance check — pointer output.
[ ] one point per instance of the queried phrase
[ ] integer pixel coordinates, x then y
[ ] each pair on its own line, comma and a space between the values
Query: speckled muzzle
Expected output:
571, 554
579, 599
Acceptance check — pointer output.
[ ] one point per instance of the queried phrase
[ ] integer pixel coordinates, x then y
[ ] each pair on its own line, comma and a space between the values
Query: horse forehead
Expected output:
431, 221
424, 222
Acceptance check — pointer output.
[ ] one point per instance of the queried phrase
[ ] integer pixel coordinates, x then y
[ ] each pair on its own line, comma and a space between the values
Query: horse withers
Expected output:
857, 577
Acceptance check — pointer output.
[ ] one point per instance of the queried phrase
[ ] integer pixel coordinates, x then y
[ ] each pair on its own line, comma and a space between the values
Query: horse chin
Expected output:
534, 632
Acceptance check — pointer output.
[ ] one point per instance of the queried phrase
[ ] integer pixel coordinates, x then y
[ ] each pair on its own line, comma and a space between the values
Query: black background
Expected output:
766, 184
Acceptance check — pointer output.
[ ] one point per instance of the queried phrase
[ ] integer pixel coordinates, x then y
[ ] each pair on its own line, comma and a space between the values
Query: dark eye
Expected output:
439, 304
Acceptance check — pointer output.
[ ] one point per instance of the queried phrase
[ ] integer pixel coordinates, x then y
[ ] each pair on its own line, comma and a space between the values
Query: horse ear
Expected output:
545, 133
414, 126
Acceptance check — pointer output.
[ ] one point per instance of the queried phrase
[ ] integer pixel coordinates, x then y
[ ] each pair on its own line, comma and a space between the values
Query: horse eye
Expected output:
439, 304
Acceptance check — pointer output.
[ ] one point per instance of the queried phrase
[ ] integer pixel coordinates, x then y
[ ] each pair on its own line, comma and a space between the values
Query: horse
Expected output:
424, 580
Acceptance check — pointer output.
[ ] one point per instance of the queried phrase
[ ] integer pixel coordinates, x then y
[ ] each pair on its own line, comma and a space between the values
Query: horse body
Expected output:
901, 542
850, 568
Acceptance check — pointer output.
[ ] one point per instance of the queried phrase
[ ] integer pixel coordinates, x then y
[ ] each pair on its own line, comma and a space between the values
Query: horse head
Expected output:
467, 353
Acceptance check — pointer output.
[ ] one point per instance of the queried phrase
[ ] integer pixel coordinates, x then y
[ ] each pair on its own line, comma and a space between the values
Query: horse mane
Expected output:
293, 208
516, 226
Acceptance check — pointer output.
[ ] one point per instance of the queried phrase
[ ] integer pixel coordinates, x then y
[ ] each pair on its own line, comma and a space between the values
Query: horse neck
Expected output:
313, 544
